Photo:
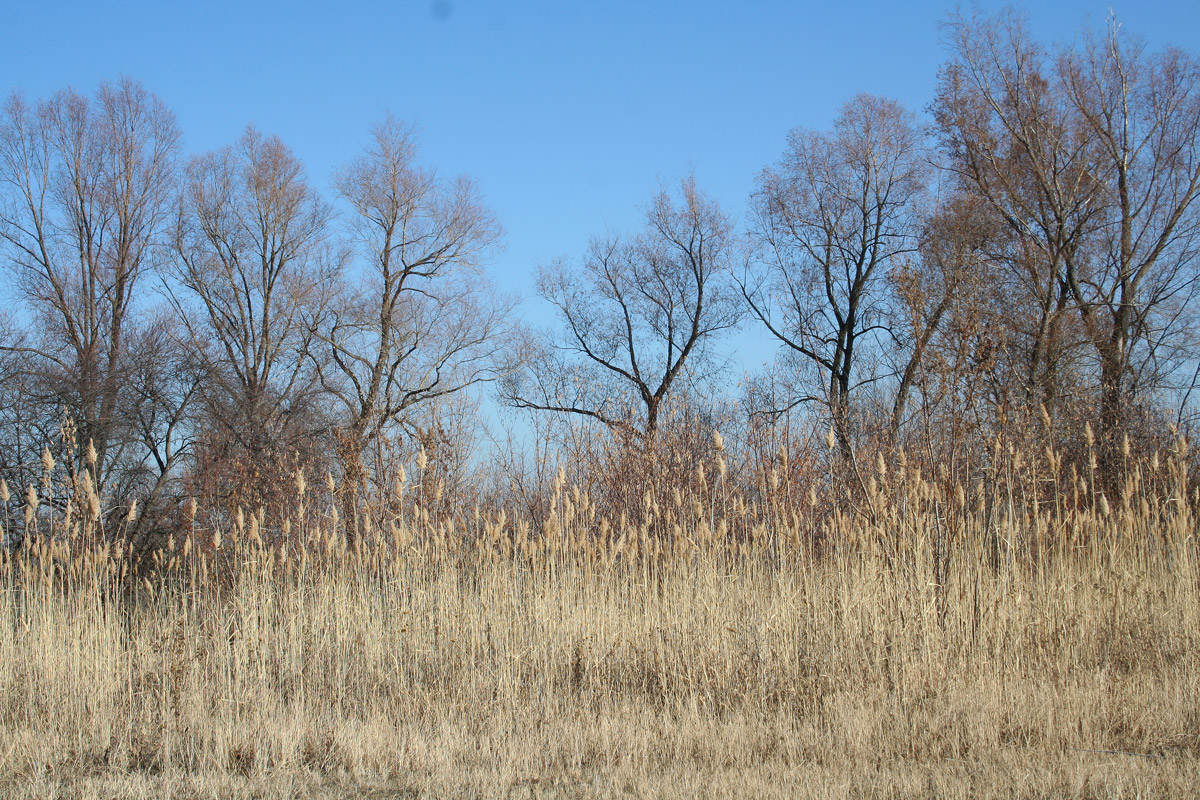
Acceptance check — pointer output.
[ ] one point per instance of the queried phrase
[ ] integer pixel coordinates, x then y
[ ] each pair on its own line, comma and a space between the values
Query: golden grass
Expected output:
938, 646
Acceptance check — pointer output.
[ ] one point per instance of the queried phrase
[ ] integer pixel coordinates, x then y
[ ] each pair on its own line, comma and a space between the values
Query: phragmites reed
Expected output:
797, 607
254, 529
90, 495
31, 504
4, 495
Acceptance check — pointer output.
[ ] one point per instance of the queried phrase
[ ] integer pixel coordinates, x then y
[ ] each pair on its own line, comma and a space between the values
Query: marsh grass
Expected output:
932, 641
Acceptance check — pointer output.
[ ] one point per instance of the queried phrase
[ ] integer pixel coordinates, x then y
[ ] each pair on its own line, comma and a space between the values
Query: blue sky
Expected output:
569, 114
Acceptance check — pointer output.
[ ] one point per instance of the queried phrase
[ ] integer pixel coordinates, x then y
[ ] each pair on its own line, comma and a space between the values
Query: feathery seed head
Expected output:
47, 461
31, 503
1052, 459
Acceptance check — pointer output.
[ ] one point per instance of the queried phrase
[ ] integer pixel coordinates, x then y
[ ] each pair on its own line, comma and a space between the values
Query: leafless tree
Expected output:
253, 269
940, 283
421, 321
637, 314
167, 377
1009, 138
830, 220
1135, 285
85, 190
1091, 156
15, 399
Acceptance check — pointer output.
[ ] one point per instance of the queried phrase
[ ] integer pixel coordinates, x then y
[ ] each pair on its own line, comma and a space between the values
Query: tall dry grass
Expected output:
1027, 636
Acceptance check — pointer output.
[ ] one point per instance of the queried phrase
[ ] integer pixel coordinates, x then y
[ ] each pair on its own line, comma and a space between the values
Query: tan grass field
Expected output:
939, 649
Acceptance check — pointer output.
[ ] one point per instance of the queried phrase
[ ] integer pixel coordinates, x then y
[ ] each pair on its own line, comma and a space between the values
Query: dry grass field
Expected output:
942, 644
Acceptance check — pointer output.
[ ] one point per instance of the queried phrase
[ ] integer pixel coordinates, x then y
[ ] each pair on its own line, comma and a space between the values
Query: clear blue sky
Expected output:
568, 113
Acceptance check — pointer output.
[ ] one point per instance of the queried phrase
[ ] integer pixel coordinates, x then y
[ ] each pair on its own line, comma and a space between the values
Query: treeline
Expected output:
1008, 282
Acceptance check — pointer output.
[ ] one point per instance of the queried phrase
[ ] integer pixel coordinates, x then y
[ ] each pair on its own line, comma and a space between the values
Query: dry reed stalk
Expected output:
683, 636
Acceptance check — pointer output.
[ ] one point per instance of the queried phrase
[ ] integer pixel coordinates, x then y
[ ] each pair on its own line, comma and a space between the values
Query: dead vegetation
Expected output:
935, 642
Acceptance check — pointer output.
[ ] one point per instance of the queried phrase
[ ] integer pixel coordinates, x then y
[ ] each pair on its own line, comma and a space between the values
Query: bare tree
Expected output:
1009, 139
1134, 287
838, 212
1091, 157
15, 401
636, 315
955, 244
422, 322
168, 378
85, 189
252, 273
